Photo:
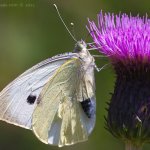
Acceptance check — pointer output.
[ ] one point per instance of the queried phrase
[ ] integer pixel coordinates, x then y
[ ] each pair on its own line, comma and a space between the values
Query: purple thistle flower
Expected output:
126, 41
122, 37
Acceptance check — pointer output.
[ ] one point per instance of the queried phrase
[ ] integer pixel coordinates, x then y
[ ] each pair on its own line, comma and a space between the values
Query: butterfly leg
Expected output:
99, 69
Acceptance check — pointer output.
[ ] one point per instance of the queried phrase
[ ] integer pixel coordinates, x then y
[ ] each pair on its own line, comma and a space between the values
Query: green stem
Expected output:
131, 146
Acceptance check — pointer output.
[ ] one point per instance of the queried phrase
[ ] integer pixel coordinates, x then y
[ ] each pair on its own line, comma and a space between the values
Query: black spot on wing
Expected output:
88, 107
31, 99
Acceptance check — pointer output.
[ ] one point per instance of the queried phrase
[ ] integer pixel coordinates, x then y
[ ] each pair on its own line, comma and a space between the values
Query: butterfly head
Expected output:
80, 46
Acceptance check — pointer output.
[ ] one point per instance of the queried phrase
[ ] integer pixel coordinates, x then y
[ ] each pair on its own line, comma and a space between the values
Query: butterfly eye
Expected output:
83, 43
80, 45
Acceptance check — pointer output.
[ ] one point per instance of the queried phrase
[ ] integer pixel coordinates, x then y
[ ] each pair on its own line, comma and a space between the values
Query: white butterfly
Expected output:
55, 98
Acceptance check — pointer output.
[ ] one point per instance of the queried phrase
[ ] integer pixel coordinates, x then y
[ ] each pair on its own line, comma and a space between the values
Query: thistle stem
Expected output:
131, 146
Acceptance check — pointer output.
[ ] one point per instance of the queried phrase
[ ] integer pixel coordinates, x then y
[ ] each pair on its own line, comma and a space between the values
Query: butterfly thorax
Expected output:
83, 53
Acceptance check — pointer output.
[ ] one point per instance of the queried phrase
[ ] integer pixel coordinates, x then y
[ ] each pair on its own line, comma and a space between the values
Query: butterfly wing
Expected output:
59, 118
19, 98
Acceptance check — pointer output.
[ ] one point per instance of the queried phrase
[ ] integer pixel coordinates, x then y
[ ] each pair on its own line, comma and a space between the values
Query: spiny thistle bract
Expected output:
126, 41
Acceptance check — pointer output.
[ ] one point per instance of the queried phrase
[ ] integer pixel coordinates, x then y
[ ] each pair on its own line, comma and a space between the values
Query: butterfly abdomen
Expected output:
88, 107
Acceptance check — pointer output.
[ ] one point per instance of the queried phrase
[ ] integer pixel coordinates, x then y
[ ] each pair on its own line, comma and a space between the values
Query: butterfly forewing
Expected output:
19, 98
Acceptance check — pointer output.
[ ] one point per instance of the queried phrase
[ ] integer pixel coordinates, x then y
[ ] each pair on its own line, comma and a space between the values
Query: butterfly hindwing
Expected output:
59, 118
19, 98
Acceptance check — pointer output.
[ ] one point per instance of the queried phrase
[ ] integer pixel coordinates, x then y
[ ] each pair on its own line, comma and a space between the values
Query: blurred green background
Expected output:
30, 31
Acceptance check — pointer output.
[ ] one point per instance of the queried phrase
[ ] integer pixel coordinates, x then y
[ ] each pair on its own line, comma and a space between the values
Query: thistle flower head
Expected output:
122, 37
126, 41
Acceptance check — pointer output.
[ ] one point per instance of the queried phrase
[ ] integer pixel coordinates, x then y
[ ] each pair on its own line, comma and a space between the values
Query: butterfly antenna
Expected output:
64, 23
73, 29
